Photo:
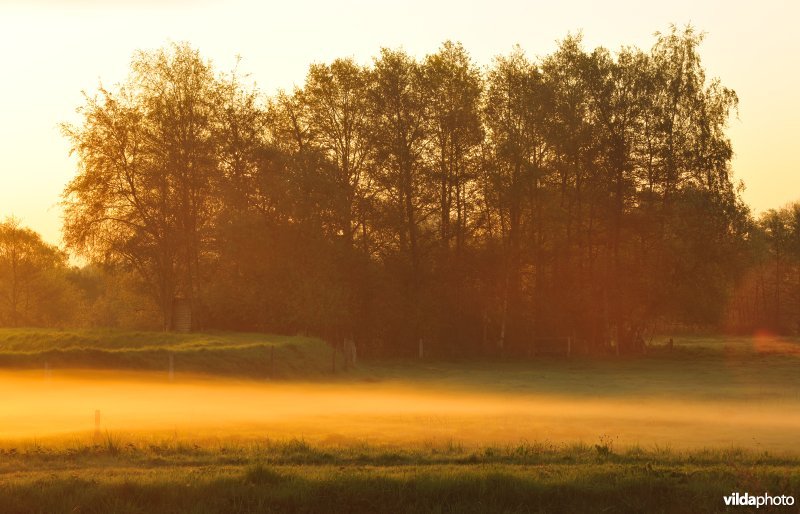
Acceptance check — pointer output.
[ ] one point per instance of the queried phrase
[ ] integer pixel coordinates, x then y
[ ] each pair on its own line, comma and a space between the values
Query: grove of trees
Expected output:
33, 288
586, 194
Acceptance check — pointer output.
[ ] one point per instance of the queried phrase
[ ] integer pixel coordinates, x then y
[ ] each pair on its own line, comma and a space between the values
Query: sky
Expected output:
52, 50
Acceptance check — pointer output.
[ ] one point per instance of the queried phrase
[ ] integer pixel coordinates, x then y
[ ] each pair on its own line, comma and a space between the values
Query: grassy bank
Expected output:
134, 476
229, 354
710, 367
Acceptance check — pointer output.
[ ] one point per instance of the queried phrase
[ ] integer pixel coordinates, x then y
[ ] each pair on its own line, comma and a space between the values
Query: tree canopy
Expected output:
33, 289
586, 194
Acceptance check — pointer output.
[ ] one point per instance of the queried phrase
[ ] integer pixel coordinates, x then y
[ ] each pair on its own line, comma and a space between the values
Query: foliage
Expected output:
33, 279
767, 296
146, 154
585, 194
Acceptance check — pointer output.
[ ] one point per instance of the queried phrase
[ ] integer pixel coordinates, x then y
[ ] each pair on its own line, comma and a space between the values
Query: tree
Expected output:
586, 194
777, 227
33, 289
148, 163
397, 119
692, 217
452, 87
516, 105
334, 107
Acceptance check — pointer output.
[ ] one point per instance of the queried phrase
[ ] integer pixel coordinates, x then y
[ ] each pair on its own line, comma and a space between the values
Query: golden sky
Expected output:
53, 49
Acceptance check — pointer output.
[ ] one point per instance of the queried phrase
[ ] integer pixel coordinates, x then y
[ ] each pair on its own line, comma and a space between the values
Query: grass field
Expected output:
242, 427
231, 354
293, 476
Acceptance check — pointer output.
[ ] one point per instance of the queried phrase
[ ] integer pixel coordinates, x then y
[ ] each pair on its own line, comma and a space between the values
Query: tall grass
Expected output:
293, 476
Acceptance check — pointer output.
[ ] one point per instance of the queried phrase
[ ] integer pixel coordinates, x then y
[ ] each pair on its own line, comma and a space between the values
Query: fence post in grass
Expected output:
171, 367
349, 354
96, 424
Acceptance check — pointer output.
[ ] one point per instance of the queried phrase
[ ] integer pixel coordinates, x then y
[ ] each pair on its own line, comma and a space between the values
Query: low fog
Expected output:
138, 404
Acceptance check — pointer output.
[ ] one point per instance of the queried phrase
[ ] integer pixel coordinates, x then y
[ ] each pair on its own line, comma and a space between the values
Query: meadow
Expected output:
167, 475
259, 423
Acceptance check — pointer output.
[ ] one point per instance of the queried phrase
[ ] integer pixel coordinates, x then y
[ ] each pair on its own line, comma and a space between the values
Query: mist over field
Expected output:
397, 411
697, 420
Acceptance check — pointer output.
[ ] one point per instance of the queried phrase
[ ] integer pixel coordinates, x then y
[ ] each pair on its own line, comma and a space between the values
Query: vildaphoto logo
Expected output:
763, 500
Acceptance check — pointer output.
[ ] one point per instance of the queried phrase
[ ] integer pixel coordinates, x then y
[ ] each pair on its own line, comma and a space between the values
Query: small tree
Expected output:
33, 290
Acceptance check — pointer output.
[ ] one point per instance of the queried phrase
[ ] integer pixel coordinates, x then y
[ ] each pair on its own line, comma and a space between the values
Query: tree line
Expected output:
585, 194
